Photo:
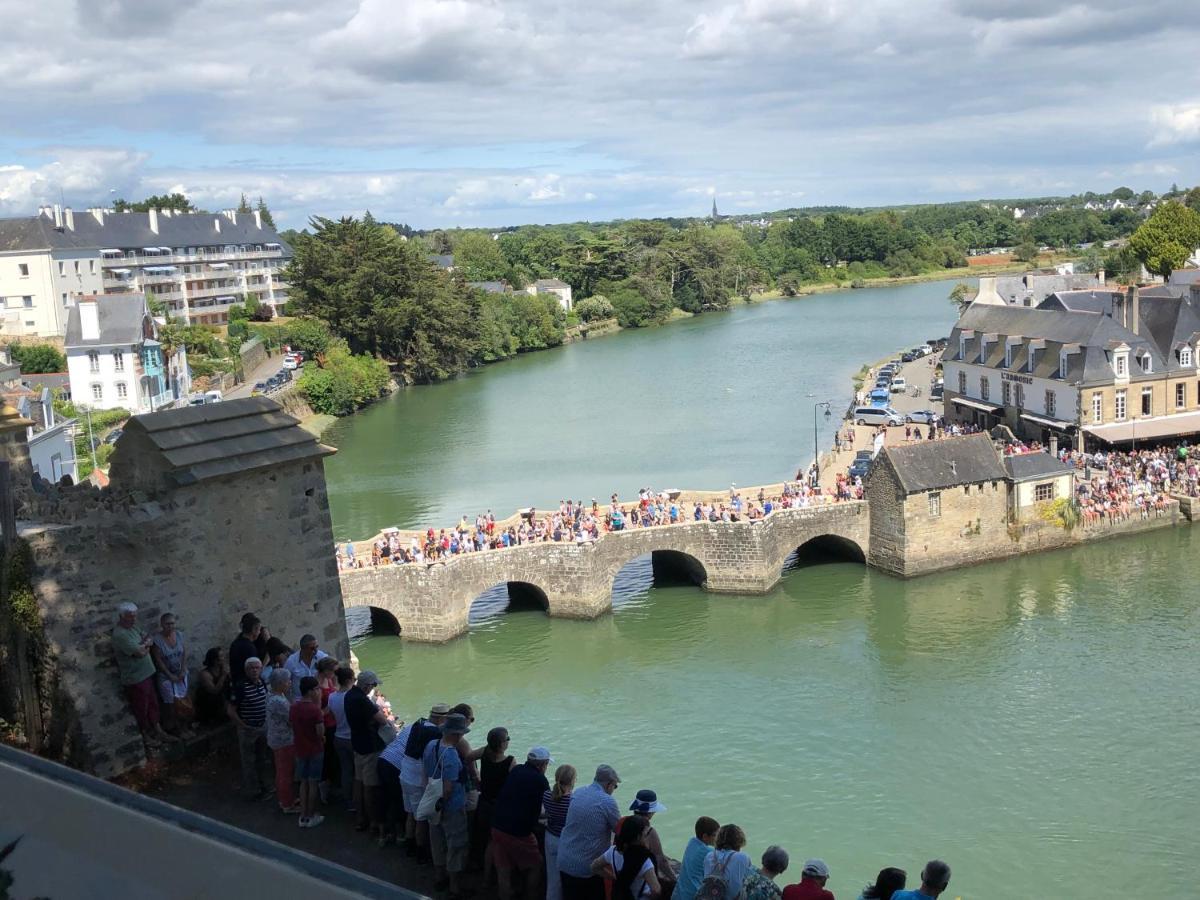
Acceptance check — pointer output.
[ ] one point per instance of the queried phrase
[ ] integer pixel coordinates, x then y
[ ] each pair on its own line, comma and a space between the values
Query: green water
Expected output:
1033, 722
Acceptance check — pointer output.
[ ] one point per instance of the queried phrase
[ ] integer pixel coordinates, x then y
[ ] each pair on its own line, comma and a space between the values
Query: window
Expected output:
1147, 401
1006, 393
27, 302
1008, 349
962, 382
97, 391
92, 266
76, 267
1020, 396
962, 347
935, 504
1185, 356
122, 390
65, 301
119, 360
23, 268
1120, 365
1050, 400
1062, 365
984, 387
1097, 408
1180, 396
1043, 492
1119, 406
93, 361
62, 267
1146, 362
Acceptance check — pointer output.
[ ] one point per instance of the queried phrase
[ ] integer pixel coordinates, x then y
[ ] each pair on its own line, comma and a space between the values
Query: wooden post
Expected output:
27, 694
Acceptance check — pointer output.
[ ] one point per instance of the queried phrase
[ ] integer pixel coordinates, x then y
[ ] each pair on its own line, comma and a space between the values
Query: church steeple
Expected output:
715, 214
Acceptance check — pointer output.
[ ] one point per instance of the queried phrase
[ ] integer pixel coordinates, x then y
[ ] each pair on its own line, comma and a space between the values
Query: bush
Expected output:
344, 383
309, 335
593, 308
36, 359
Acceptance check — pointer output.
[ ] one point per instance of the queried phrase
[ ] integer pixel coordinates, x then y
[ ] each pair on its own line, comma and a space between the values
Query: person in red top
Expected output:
308, 729
812, 882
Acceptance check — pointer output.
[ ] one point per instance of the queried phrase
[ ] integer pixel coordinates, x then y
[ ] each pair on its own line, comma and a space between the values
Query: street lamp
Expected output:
826, 405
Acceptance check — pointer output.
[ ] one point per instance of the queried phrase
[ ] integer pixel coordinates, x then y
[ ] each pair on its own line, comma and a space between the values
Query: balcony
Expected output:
164, 259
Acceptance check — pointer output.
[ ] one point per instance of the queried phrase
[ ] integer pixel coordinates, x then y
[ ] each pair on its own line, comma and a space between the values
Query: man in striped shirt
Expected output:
248, 710
588, 832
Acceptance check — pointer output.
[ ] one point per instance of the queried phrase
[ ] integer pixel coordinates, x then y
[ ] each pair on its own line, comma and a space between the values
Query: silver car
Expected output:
920, 417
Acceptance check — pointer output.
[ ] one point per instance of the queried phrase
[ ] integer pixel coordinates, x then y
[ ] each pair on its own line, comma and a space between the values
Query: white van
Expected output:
899, 385
876, 415
213, 397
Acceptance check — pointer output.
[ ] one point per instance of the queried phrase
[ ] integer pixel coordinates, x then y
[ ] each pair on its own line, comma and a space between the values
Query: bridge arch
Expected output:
383, 622
825, 548
505, 597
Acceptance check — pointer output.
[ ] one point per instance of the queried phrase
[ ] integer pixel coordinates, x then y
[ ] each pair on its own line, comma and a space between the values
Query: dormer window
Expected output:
1121, 365
1185, 357
1008, 353
1063, 362
962, 348
1146, 363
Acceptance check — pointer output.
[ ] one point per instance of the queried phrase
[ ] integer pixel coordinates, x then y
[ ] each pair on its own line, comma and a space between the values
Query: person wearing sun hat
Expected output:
448, 835
646, 804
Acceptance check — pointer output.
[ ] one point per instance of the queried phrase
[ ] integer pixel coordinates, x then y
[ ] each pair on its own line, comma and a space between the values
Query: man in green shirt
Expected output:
132, 648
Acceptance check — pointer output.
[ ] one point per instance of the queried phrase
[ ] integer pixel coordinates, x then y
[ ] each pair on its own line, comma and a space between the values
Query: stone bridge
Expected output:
432, 602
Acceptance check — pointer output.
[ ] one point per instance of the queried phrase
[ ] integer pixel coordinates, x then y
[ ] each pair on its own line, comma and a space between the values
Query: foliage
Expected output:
959, 294
157, 201
1026, 251
265, 214
102, 422
308, 335
1165, 240
595, 307
35, 359
1063, 512
344, 381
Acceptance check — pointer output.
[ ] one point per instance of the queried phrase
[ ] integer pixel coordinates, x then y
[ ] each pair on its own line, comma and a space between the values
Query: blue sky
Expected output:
474, 112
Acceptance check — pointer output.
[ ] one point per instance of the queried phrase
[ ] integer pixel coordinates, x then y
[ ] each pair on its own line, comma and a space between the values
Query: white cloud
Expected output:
1175, 124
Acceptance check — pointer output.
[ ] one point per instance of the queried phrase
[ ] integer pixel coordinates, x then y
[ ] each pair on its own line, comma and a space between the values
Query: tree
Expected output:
36, 359
157, 201
1192, 199
1123, 194
244, 206
478, 258
1026, 251
960, 296
593, 308
1164, 241
265, 214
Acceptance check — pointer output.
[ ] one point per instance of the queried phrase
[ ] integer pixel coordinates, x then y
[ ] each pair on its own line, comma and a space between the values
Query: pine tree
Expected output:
265, 214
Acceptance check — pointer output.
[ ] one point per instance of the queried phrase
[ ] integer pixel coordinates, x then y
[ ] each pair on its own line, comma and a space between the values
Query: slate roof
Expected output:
933, 465
131, 231
197, 443
491, 287
554, 284
1100, 302
1185, 276
1090, 337
122, 318
1028, 466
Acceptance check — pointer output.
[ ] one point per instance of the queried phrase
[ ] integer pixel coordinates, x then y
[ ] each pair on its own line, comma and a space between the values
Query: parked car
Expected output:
860, 467
908, 357
213, 396
113, 436
925, 349
919, 417
876, 415
290, 362
899, 386
880, 396
260, 388
937, 393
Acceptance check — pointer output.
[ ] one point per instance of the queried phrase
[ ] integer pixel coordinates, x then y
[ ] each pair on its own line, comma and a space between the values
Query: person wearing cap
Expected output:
935, 878
514, 845
587, 833
646, 804
411, 741
364, 719
448, 836
760, 884
136, 668
812, 883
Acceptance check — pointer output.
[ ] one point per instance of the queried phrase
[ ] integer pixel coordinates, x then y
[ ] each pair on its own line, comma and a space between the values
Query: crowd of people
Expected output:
313, 735
1118, 485
576, 522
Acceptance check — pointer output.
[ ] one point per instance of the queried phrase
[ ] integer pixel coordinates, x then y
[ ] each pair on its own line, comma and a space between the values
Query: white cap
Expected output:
127, 607
539, 754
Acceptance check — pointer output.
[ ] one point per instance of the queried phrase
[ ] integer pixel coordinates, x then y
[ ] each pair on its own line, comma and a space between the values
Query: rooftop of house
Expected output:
1030, 466
185, 446
442, 260
133, 231
935, 465
550, 284
124, 319
491, 287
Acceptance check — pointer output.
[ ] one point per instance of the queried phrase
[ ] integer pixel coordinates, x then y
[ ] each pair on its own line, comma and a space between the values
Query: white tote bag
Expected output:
427, 809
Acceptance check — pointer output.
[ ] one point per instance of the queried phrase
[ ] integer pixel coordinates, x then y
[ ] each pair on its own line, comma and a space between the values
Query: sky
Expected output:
445, 113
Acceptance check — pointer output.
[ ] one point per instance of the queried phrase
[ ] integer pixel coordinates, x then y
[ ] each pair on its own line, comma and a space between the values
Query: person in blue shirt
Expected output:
691, 871
448, 836
935, 878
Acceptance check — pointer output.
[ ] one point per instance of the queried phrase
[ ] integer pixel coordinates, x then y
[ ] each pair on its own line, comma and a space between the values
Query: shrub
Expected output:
344, 382
37, 358
593, 308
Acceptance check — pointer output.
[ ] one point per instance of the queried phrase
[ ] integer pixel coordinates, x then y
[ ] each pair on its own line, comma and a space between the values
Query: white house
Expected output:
51, 445
114, 359
560, 289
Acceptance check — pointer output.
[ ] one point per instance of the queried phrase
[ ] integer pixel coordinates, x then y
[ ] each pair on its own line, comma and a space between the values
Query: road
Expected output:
261, 373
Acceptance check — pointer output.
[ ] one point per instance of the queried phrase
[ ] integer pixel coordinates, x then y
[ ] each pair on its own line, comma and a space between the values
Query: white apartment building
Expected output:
114, 359
197, 264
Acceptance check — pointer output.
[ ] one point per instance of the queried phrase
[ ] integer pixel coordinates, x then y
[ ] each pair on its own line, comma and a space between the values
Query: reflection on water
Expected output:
1033, 721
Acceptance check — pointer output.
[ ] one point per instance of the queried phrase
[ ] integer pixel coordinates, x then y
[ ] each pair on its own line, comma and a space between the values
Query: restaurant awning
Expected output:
1058, 424
977, 404
1146, 429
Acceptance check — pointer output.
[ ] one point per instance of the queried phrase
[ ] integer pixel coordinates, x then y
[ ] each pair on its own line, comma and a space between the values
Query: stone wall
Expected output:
253, 353
250, 541
432, 602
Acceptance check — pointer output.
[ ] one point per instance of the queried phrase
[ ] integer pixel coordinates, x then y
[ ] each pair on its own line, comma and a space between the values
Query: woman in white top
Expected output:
629, 864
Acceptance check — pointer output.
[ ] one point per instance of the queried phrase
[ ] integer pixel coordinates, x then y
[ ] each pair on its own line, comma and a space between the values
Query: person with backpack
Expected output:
726, 867
448, 836
414, 739
629, 864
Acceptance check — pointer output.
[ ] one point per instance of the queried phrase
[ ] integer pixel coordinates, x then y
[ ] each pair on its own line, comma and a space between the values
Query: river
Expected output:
1033, 722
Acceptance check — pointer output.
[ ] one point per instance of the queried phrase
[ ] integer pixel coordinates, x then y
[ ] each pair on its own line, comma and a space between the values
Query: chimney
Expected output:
258, 220
89, 319
1054, 445
98, 215
69, 218
1132, 305
217, 224
1194, 294
154, 220
58, 217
